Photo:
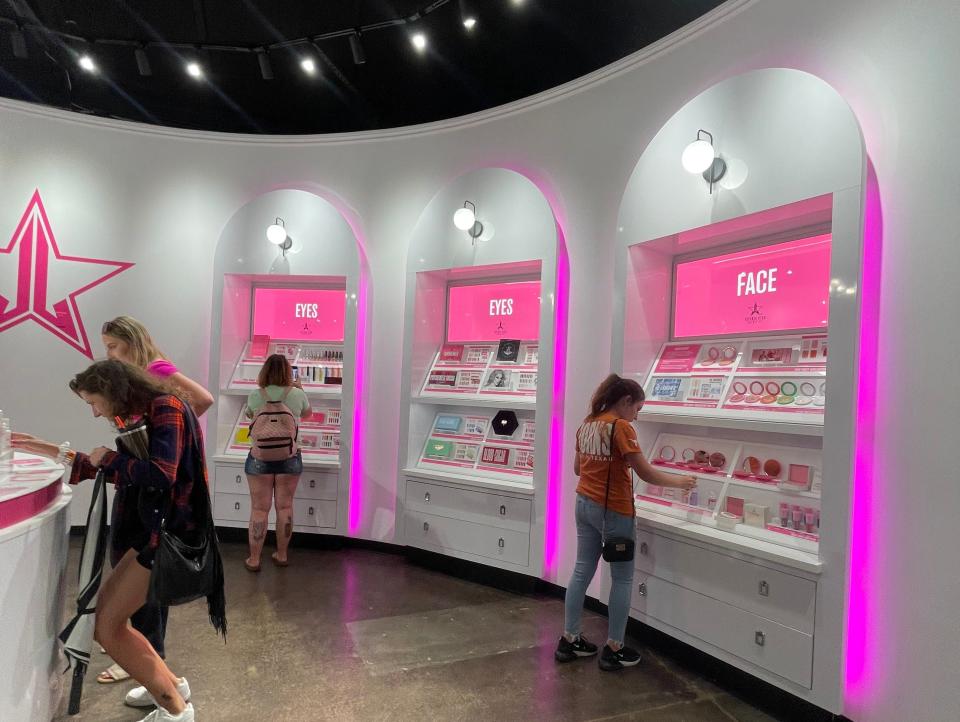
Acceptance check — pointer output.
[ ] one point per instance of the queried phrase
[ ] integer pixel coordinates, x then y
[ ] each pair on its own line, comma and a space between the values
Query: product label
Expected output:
677, 358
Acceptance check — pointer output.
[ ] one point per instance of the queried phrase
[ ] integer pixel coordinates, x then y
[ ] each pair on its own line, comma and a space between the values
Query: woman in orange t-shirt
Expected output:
607, 449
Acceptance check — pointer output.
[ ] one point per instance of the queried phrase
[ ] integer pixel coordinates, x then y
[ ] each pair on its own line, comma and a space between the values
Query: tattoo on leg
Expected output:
259, 530
166, 697
288, 529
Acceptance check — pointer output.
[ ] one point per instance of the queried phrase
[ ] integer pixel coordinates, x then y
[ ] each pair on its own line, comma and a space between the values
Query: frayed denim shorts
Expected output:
292, 465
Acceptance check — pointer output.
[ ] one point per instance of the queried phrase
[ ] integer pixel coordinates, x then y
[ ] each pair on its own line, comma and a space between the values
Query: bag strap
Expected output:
606, 497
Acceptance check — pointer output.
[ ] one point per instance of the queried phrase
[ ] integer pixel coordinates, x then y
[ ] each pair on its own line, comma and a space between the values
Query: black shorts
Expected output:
292, 465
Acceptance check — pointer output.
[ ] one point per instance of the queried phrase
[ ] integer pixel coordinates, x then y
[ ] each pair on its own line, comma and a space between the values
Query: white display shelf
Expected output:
735, 541
471, 400
479, 482
324, 392
718, 418
734, 481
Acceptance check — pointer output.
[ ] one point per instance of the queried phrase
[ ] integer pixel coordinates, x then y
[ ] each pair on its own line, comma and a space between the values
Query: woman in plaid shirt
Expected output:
173, 473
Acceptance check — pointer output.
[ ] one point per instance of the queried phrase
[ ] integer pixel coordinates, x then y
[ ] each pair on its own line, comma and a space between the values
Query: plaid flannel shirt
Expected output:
171, 469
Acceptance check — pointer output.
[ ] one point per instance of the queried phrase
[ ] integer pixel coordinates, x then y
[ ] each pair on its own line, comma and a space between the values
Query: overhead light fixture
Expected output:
266, 69
194, 70
18, 43
469, 22
309, 66
277, 235
86, 62
701, 157
356, 49
143, 61
419, 41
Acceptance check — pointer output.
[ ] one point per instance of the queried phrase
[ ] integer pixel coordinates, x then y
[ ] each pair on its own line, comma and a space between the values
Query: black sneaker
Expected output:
569, 651
611, 661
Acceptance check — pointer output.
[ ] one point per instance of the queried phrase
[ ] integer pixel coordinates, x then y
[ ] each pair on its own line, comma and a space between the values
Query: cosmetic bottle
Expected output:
797, 515
784, 515
712, 501
694, 499
808, 520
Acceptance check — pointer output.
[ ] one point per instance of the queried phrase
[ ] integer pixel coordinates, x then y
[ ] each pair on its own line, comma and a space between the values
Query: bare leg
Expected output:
283, 496
261, 493
122, 594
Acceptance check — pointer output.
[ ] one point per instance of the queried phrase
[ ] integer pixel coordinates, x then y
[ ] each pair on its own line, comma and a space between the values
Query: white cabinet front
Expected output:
440, 533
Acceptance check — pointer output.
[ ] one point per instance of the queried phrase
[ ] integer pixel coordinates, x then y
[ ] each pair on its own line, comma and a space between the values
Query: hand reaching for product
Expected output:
32, 445
682, 482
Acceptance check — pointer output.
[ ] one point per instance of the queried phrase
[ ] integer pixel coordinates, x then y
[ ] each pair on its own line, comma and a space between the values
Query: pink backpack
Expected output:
273, 431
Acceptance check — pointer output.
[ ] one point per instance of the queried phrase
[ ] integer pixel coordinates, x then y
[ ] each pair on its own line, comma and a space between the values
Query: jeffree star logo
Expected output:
47, 283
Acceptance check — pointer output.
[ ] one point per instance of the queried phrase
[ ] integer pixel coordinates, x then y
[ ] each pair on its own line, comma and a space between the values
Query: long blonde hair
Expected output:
141, 348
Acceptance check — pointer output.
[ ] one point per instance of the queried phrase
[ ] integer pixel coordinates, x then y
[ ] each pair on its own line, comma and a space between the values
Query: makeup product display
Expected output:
318, 435
498, 444
503, 370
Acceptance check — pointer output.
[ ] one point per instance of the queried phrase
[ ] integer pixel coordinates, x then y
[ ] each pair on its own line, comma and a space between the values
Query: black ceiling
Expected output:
516, 49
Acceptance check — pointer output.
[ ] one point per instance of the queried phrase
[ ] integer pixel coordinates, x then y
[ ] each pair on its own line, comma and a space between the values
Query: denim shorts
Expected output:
292, 465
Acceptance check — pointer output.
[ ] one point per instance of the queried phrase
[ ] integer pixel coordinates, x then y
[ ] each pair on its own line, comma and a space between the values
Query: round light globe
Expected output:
464, 219
698, 156
276, 234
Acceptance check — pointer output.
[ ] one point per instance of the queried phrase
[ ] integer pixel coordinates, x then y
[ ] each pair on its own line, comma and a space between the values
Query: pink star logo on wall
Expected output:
48, 282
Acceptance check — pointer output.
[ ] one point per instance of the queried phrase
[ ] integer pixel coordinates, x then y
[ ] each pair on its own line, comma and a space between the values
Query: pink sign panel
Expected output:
782, 287
299, 314
677, 358
492, 311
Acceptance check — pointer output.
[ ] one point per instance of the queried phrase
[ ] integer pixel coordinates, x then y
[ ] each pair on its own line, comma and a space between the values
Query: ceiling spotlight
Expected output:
309, 66
277, 232
356, 48
18, 43
419, 41
143, 62
194, 70
701, 157
266, 69
86, 62
470, 22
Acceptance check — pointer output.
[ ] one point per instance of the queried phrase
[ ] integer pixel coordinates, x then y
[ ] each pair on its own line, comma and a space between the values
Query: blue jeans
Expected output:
589, 548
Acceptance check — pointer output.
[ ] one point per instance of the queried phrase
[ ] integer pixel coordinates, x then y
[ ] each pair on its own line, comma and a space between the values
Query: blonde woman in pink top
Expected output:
126, 339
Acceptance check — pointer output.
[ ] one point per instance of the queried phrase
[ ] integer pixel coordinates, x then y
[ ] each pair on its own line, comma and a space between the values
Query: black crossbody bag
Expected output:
615, 549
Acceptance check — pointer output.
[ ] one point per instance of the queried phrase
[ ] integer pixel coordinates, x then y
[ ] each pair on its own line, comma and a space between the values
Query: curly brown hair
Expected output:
276, 371
128, 390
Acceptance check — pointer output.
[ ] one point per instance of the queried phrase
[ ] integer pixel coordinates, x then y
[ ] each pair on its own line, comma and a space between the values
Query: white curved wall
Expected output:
161, 200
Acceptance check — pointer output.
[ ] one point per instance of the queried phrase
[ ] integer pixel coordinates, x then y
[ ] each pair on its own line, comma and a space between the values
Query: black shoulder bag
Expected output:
615, 549
184, 572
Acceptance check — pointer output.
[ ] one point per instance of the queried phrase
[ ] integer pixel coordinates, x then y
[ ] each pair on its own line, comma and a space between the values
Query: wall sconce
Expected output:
466, 220
277, 235
701, 157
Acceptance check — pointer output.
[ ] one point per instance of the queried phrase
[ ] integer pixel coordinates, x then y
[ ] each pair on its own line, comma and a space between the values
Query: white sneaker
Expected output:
161, 715
140, 697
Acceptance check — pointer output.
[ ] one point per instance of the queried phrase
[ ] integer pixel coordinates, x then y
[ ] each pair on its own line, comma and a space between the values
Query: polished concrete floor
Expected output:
363, 635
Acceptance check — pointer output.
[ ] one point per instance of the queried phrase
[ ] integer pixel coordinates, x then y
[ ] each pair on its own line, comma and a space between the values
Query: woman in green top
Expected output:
275, 480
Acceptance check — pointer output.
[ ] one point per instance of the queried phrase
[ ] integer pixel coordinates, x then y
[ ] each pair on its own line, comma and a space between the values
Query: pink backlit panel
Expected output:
492, 311
299, 314
781, 287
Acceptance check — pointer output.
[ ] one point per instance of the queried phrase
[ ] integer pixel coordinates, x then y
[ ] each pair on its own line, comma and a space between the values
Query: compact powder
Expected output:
701, 457
751, 398
688, 455
803, 401
739, 387
736, 399
728, 355
667, 453
773, 388
799, 474
768, 399
823, 389
788, 388
756, 387
713, 353
771, 467
717, 460
785, 400
808, 389
751, 465
819, 401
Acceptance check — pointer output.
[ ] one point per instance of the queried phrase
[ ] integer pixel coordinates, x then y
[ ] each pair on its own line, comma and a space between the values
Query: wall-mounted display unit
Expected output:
481, 330
739, 313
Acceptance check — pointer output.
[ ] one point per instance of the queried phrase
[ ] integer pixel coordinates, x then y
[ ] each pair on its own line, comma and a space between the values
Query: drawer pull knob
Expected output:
503, 510
310, 511
644, 549
501, 543
760, 638
426, 497
642, 589
313, 483
764, 589
426, 526
238, 478
236, 505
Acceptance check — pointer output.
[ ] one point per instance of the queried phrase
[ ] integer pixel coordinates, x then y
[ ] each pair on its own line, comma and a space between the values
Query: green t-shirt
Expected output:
296, 400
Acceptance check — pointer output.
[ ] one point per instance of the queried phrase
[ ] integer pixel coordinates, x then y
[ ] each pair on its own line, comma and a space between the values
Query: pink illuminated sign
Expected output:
492, 311
781, 287
299, 314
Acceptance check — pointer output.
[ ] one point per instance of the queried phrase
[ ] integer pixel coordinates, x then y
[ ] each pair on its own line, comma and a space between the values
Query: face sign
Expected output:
97, 402
116, 349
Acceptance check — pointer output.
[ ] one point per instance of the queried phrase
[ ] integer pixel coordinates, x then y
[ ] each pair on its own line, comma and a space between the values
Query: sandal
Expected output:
279, 563
251, 567
113, 673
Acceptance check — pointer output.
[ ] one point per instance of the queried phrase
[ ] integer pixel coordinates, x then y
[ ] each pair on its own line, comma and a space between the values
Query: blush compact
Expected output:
739, 392
768, 399
666, 453
717, 460
728, 355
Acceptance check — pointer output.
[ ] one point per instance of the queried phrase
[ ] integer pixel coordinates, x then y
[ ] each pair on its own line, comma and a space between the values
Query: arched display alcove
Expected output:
729, 295
308, 302
481, 412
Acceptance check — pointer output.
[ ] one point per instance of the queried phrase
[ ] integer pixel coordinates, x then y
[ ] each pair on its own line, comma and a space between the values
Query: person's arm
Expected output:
645, 471
167, 438
306, 411
80, 465
200, 399
576, 463
253, 402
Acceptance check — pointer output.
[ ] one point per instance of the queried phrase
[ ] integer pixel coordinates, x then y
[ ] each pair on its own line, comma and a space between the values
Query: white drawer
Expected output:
782, 597
230, 479
317, 513
231, 507
754, 639
480, 507
441, 533
317, 485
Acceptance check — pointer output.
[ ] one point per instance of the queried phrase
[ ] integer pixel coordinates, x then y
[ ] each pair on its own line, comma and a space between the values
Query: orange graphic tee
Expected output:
601, 451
